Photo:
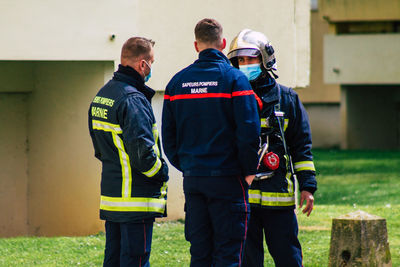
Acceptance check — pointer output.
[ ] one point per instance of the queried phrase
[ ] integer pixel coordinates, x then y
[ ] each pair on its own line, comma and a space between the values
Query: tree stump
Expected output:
359, 239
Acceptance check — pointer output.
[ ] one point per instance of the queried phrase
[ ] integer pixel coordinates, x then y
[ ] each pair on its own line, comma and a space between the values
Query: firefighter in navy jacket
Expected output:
285, 152
125, 140
210, 131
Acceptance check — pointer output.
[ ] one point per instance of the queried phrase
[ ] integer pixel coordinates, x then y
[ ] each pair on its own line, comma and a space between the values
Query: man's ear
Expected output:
223, 44
196, 46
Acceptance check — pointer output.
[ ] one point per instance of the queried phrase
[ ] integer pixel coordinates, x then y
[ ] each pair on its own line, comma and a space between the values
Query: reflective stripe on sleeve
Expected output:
153, 171
304, 166
155, 135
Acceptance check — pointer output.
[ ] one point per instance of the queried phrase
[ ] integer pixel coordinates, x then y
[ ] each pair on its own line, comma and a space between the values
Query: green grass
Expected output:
347, 181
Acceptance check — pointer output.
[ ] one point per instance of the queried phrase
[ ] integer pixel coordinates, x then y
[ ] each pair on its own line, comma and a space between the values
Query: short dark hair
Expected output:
208, 31
136, 47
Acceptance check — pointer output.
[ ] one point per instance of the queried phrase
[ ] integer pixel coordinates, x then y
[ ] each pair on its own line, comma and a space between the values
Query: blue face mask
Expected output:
148, 76
251, 71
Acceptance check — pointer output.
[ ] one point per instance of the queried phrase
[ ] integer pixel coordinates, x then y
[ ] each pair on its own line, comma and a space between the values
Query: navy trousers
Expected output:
128, 244
280, 228
217, 213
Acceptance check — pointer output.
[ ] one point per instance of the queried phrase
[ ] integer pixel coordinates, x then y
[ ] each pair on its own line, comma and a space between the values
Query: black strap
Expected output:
277, 108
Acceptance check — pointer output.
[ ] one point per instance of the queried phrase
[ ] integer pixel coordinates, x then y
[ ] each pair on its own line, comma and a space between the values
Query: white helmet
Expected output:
252, 44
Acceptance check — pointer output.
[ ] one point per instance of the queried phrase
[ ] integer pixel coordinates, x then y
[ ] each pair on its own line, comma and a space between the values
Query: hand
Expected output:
249, 179
308, 197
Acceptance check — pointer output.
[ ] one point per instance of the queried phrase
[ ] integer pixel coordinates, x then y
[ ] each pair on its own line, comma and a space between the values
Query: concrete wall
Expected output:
362, 59
13, 164
372, 120
50, 179
360, 10
325, 124
64, 177
321, 99
58, 54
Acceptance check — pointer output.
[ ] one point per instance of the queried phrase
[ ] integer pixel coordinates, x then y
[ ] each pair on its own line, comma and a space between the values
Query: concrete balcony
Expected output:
360, 10
362, 59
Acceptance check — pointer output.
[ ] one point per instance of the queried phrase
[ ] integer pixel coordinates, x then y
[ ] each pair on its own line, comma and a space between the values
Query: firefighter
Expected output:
210, 131
125, 140
285, 153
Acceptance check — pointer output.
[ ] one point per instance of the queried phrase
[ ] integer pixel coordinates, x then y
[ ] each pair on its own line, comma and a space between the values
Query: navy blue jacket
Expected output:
125, 140
210, 125
278, 191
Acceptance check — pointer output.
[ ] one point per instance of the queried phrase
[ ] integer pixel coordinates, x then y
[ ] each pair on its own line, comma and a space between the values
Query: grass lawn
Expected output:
347, 181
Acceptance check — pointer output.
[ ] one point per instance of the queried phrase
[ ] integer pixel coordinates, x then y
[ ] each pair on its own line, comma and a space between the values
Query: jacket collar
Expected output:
211, 54
266, 88
132, 77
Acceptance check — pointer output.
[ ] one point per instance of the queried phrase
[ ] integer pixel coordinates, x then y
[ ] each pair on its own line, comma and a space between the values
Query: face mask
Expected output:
251, 71
148, 76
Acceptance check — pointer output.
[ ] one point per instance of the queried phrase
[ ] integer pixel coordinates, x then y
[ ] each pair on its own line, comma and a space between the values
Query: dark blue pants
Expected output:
280, 229
217, 213
128, 244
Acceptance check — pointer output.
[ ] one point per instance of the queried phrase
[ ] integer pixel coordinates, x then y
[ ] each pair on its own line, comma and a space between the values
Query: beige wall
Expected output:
320, 99
50, 183
171, 25
13, 164
325, 124
360, 10
60, 54
318, 91
362, 58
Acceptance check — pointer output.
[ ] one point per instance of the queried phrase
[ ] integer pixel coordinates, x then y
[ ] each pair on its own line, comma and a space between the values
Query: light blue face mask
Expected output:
251, 71
148, 76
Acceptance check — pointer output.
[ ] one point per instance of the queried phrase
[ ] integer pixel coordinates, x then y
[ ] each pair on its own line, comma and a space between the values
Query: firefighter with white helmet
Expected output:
284, 155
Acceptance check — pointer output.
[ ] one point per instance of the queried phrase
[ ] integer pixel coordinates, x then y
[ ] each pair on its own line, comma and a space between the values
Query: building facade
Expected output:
54, 57
361, 54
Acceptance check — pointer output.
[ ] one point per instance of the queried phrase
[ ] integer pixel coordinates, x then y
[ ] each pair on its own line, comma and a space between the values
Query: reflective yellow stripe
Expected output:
285, 124
290, 187
264, 123
105, 126
141, 204
115, 129
254, 196
304, 166
153, 171
271, 199
155, 134
125, 166
157, 165
274, 198
163, 190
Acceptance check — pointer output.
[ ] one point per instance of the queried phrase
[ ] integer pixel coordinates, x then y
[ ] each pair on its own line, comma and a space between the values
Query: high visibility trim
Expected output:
242, 93
271, 198
166, 97
290, 187
125, 166
155, 135
156, 167
264, 123
115, 129
141, 204
105, 126
304, 166
163, 190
